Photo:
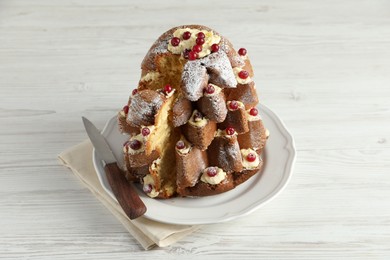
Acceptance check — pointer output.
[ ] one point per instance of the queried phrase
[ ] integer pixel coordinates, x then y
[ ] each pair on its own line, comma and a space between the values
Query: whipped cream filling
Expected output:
240, 105
266, 132
218, 178
237, 70
199, 122
122, 113
222, 133
129, 150
148, 180
170, 94
247, 164
151, 76
210, 39
217, 90
155, 166
244, 57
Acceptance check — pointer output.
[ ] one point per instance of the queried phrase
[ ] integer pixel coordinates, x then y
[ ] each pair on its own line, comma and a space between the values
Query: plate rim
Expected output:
289, 146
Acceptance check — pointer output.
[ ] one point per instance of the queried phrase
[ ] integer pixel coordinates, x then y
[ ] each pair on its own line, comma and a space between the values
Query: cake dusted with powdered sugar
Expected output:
192, 121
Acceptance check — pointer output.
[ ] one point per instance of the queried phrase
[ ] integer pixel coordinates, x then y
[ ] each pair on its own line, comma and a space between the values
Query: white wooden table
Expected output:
323, 66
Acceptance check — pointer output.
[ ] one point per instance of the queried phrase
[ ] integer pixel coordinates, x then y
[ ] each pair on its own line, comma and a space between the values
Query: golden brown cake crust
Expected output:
232, 180
143, 107
213, 107
224, 152
236, 119
255, 138
246, 93
200, 137
126, 128
189, 167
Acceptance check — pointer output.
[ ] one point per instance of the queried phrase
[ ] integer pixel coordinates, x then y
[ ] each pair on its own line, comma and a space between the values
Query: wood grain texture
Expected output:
124, 192
323, 66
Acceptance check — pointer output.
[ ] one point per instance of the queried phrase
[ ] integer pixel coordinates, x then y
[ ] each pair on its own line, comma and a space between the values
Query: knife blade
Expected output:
124, 192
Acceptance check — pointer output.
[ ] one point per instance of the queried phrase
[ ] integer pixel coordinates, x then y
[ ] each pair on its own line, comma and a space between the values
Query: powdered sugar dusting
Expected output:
143, 107
159, 47
233, 152
220, 70
228, 154
246, 93
235, 59
194, 79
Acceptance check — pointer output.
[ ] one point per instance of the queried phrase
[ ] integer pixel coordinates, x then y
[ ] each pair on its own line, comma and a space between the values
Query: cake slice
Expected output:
224, 151
213, 103
199, 130
190, 162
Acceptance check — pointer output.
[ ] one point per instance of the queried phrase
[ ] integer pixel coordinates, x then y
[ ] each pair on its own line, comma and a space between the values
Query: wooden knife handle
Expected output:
124, 192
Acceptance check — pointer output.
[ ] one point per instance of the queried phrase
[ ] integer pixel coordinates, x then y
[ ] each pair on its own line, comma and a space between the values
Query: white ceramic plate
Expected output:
279, 158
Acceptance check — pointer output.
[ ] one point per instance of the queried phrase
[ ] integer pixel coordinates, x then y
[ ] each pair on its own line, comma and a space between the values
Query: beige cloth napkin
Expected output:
148, 233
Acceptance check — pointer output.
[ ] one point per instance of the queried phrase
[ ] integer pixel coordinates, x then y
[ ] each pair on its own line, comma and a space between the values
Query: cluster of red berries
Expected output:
193, 54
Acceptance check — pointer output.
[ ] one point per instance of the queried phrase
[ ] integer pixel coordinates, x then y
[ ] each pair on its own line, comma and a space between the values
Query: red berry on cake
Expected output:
211, 171
230, 131
192, 55
175, 41
167, 89
197, 48
251, 157
126, 109
210, 89
135, 144
180, 145
135, 91
233, 105
214, 47
186, 35
147, 188
200, 41
145, 131
243, 74
253, 111
200, 35
242, 51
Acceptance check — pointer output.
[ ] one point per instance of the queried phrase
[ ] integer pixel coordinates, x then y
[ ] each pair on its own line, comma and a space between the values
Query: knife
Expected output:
124, 192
